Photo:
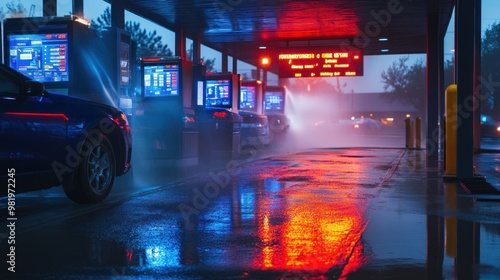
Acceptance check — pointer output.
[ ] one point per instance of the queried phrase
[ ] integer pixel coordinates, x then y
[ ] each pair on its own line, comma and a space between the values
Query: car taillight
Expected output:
122, 121
189, 119
356, 126
221, 114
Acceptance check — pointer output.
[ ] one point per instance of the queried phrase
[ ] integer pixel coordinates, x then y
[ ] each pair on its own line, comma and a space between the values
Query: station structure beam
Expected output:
197, 49
464, 75
180, 43
433, 90
78, 8
49, 8
225, 60
117, 14
235, 64
477, 74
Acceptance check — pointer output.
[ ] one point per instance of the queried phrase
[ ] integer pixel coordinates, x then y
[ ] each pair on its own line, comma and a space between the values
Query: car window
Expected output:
8, 86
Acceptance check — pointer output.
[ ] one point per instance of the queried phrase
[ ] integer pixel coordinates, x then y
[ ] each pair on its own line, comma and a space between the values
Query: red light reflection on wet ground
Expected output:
313, 223
316, 234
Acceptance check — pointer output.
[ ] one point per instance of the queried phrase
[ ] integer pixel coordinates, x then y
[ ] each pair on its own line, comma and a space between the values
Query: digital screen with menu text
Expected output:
320, 62
42, 57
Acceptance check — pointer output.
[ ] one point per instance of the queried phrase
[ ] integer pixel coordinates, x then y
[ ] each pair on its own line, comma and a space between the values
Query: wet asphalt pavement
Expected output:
359, 213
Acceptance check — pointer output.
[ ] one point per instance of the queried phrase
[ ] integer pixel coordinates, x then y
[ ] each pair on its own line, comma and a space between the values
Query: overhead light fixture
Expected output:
383, 39
81, 20
262, 47
384, 50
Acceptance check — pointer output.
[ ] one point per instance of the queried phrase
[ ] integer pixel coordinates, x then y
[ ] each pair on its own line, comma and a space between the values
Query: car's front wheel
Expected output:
93, 179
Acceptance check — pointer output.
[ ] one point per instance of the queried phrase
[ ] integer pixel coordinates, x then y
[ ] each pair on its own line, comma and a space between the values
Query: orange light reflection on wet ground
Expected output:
319, 226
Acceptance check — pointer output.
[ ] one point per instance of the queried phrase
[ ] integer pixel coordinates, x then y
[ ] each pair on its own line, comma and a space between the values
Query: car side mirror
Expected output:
33, 88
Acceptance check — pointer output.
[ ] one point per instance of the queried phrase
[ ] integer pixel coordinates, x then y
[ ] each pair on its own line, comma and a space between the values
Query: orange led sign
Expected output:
320, 62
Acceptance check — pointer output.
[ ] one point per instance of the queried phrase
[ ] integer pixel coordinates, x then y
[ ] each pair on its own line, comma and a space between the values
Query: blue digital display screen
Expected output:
274, 101
247, 97
218, 93
161, 80
42, 57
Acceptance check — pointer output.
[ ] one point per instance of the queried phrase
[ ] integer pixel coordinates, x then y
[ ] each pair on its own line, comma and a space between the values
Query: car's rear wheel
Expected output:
93, 179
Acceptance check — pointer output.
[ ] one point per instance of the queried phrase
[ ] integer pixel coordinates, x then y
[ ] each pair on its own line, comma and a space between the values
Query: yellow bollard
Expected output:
412, 136
451, 130
418, 133
407, 133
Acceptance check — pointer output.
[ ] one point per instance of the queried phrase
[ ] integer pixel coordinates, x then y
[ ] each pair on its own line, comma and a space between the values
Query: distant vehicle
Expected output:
49, 139
361, 125
489, 127
367, 125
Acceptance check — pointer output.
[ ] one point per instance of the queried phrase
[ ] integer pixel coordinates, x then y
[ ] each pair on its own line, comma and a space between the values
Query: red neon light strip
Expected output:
50, 115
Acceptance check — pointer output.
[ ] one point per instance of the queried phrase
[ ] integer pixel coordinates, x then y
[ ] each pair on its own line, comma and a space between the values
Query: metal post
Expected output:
180, 43
117, 14
49, 8
433, 66
464, 57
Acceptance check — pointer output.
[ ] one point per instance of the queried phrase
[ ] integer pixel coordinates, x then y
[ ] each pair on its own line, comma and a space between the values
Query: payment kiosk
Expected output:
255, 126
220, 122
274, 109
164, 124
71, 58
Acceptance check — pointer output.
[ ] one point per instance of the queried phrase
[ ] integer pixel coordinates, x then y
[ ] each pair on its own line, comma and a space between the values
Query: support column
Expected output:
49, 8
78, 8
432, 83
441, 91
225, 66
117, 14
180, 44
197, 49
235, 64
477, 74
464, 57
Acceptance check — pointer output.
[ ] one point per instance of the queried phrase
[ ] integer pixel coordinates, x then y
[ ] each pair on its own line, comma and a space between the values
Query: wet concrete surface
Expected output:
358, 213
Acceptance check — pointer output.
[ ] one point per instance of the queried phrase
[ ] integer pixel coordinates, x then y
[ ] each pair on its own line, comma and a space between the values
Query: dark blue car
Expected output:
48, 140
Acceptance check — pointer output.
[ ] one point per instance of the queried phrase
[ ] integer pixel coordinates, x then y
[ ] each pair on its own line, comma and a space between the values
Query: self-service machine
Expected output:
71, 58
219, 121
274, 109
255, 126
164, 124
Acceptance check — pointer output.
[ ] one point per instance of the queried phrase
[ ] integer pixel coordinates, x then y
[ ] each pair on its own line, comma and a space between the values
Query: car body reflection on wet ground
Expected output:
320, 214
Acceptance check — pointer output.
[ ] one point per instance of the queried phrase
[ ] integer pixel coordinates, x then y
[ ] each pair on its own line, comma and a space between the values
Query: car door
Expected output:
33, 129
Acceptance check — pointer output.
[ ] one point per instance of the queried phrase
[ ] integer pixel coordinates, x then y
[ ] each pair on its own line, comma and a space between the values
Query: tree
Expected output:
209, 63
14, 10
149, 44
2, 14
406, 84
